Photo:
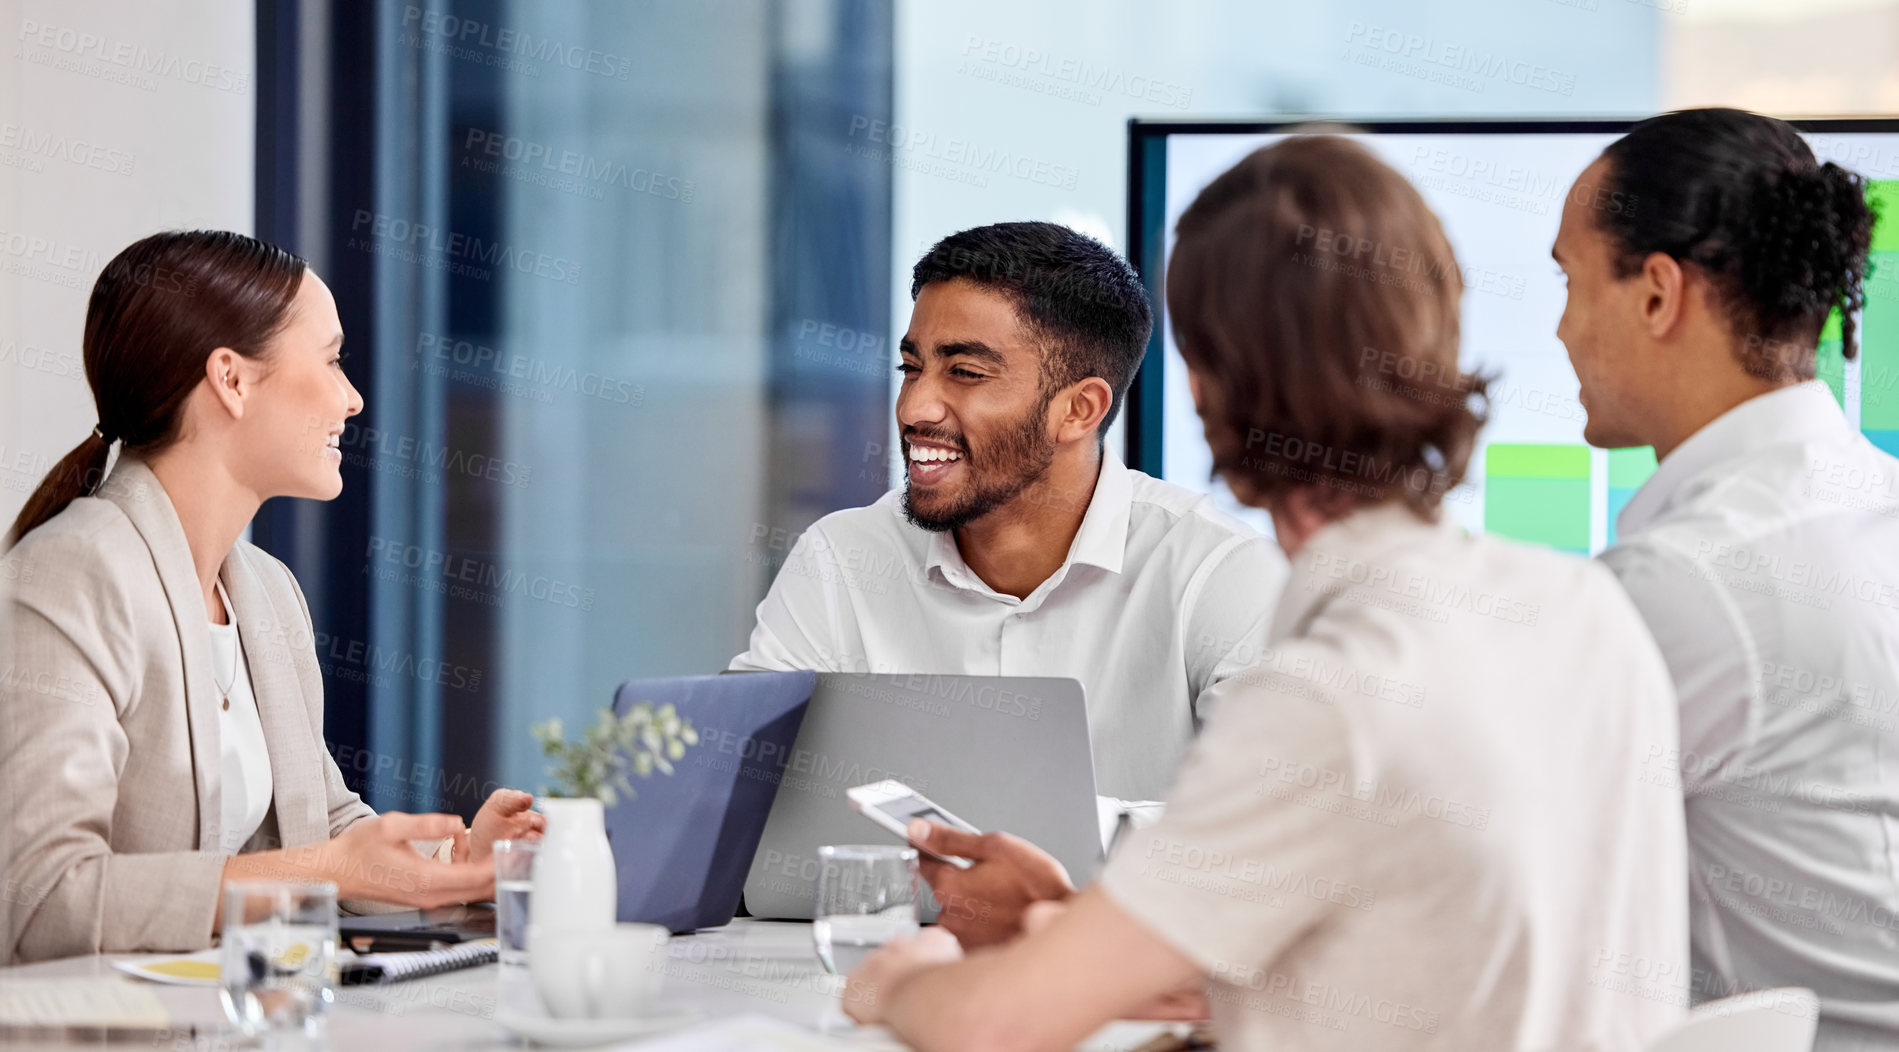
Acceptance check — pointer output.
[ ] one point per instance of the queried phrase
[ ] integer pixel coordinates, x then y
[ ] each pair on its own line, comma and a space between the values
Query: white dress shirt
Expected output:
1160, 597
1419, 822
1764, 554
244, 785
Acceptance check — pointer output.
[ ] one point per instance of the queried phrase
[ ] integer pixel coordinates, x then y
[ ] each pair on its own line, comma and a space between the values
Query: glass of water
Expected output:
278, 967
867, 896
514, 872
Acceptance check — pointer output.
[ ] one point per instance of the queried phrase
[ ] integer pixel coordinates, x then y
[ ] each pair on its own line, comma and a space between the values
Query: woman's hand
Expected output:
375, 859
505, 816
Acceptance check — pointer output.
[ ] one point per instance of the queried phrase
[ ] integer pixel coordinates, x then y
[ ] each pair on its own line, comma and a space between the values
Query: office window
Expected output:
593, 259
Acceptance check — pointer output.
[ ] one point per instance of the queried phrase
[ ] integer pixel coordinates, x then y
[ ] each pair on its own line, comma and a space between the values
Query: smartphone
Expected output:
892, 804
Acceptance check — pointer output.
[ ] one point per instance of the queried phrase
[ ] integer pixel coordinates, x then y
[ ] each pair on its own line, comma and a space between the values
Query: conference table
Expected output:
762, 968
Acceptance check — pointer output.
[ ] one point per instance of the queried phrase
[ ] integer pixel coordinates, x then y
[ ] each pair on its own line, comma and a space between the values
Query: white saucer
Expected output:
579, 1033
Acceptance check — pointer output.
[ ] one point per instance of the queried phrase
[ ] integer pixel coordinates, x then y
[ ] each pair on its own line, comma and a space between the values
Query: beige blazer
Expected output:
109, 766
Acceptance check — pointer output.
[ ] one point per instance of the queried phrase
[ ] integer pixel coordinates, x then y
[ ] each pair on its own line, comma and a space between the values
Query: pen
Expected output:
395, 942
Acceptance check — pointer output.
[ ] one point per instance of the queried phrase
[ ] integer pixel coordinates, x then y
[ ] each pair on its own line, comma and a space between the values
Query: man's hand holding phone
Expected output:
983, 905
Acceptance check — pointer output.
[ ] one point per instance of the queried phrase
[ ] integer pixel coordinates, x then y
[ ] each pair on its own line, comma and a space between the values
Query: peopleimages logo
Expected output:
1454, 64
1066, 76
1327, 997
56, 362
120, 61
474, 362
359, 660
408, 457
462, 253
460, 577
46, 259
562, 169
41, 144
956, 158
453, 35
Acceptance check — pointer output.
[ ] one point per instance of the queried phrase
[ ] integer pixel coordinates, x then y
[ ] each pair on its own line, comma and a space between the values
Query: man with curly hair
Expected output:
1704, 253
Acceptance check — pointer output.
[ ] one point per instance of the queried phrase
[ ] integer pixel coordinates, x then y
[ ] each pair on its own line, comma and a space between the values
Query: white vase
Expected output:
575, 884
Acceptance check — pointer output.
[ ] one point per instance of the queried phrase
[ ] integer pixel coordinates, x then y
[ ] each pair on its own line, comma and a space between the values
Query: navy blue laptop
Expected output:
684, 844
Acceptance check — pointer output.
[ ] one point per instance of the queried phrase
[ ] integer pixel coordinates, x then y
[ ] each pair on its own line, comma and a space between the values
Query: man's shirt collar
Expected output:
1802, 412
1102, 540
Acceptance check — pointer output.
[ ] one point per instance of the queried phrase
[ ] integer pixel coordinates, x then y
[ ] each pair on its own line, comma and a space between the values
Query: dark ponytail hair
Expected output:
157, 312
1782, 237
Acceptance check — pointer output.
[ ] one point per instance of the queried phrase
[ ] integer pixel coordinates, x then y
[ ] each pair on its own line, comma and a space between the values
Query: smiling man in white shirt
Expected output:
1764, 551
1019, 544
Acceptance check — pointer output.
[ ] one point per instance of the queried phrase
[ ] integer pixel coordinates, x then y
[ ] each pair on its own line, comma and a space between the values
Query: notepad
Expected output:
101, 1002
395, 967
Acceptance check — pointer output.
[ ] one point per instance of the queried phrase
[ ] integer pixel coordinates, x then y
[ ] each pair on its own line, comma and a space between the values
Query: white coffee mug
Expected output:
597, 973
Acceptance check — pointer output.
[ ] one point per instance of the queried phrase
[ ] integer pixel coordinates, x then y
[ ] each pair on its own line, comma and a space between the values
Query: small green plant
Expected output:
642, 741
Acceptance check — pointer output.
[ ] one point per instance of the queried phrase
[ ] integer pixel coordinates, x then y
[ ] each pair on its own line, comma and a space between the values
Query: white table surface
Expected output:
765, 967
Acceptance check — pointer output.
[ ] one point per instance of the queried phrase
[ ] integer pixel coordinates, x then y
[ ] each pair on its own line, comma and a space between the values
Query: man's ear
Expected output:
1663, 288
1080, 408
229, 374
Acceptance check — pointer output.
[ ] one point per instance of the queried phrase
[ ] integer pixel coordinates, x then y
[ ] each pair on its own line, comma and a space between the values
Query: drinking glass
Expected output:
514, 885
278, 966
867, 896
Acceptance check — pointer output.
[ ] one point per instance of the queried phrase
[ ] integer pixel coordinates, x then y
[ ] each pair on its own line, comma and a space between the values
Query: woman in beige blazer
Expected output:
150, 752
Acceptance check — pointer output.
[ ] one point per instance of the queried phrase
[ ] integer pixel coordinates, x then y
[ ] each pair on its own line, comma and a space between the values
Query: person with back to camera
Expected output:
161, 719
1459, 859
1704, 251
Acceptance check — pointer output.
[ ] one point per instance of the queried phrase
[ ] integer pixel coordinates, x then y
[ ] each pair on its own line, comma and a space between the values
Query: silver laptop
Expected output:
1006, 754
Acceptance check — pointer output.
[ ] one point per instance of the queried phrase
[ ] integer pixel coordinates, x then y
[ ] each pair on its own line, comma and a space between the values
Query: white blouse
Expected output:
244, 758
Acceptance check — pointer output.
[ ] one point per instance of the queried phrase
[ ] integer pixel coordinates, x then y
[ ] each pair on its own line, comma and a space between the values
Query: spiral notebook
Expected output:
395, 967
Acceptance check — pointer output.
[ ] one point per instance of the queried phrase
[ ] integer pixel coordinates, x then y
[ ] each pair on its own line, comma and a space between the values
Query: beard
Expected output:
996, 473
